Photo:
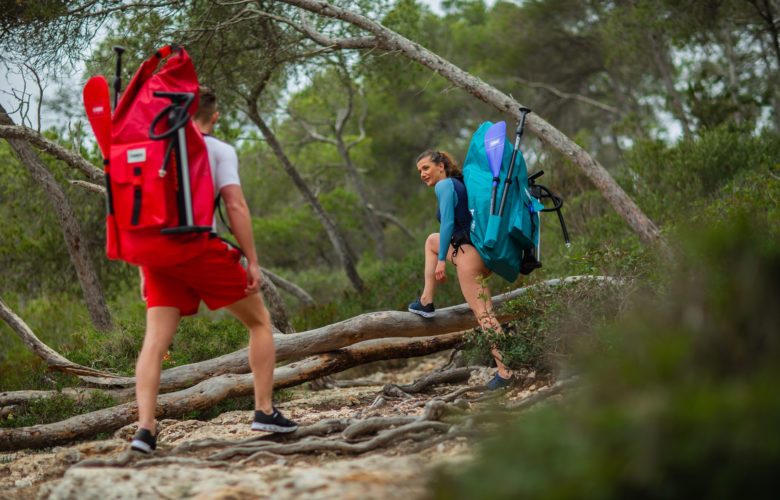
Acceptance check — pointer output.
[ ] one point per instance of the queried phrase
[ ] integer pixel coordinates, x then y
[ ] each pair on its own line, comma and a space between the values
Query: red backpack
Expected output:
158, 180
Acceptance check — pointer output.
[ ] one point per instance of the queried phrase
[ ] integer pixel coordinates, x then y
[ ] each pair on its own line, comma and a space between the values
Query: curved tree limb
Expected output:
54, 360
47, 146
290, 287
387, 216
389, 40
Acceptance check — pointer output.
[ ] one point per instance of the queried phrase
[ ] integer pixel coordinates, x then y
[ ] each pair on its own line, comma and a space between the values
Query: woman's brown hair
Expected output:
451, 167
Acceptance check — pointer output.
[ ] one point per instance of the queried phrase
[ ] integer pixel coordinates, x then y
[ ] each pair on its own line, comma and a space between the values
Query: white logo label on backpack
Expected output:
136, 155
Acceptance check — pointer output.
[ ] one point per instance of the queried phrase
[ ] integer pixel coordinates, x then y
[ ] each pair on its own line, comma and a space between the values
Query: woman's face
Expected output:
430, 172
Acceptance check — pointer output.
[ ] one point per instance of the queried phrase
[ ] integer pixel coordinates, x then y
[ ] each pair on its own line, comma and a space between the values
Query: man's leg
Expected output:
161, 323
251, 311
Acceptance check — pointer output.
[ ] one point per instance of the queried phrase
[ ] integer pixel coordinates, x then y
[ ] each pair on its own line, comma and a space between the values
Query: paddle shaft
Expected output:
118, 74
508, 181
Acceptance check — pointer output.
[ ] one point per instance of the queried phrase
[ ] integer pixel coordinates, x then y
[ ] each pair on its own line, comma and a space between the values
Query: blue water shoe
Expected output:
498, 382
427, 311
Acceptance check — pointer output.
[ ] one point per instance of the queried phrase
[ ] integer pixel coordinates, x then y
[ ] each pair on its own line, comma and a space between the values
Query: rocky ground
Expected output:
398, 469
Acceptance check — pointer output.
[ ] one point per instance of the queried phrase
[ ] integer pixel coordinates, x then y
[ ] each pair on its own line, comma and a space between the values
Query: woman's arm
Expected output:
445, 193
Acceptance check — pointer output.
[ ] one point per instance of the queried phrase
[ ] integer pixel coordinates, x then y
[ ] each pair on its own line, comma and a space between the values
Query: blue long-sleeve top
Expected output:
452, 210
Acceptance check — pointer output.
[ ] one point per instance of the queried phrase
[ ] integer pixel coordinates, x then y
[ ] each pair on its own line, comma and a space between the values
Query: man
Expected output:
216, 277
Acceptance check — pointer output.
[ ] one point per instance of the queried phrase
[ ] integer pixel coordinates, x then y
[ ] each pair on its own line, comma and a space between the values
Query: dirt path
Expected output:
399, 470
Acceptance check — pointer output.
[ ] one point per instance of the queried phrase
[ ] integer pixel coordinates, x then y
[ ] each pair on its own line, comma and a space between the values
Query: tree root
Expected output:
440, 422
320, 445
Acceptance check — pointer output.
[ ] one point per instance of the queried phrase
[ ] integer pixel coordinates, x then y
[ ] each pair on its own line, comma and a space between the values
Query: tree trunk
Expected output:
71, 231
374, 227
388, 40
210, 392
768, 16
275, 305
336, 239
732, 69
666, 68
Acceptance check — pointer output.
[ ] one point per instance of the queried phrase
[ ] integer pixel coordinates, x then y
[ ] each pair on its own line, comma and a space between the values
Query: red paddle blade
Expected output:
97, 102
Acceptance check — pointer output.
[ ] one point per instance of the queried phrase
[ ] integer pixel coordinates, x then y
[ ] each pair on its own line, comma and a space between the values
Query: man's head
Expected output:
206, 115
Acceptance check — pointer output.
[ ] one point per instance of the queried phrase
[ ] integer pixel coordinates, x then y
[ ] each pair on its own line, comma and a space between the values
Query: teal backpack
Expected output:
505, 234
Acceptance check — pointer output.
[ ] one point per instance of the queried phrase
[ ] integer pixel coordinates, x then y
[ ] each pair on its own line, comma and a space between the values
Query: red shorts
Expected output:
214, 276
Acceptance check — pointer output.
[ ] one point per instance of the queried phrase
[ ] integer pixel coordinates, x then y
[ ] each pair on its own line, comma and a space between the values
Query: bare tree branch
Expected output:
290, 287
389, 40
36, 139
95, 188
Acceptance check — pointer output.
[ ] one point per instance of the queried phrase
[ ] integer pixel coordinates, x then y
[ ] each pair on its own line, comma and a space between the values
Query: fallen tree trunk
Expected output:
77, 394
214, 390
351, 331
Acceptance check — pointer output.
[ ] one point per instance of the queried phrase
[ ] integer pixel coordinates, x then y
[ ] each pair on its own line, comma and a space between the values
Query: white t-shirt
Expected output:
224, 165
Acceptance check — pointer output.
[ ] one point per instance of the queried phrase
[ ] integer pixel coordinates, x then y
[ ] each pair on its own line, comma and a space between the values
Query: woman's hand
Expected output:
440, 273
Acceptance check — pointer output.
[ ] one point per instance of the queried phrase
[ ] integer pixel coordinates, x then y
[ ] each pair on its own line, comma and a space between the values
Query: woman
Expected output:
438, 169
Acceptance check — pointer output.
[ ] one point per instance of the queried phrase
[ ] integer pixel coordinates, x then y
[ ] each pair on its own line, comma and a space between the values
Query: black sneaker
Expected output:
274, 422
427, 311
143, 441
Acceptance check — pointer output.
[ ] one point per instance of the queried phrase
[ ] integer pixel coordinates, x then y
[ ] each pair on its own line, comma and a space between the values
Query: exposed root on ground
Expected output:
446, 417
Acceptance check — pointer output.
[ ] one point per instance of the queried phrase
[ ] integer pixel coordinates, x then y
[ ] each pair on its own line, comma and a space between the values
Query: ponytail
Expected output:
451, 167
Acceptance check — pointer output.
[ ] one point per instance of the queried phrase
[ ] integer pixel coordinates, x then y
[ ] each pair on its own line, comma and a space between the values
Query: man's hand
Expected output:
253, 278
440, 273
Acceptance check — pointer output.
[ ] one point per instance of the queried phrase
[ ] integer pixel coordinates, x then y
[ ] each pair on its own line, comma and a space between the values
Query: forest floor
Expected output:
399, 469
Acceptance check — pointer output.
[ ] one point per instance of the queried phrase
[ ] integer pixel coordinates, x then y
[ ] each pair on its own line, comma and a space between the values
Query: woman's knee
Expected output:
432, 242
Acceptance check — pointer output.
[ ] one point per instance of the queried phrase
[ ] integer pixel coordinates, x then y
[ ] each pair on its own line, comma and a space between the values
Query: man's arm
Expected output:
241, 223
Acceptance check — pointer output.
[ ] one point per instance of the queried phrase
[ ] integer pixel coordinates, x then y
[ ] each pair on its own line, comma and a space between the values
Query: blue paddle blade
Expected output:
494, 147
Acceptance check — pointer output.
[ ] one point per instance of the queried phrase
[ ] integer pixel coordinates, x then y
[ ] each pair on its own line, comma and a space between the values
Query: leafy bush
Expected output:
669, 180
59, 407
550, 321
198, 338
677, 401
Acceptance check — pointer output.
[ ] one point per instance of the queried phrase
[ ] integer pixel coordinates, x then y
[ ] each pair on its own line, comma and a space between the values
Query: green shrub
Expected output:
676, 401
59, 407
550, 321
669, 180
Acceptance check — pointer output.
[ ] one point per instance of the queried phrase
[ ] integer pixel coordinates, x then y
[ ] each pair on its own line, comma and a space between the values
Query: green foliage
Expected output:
197, 339
550, 322
670, 179
58, 407
675, 401
389, 286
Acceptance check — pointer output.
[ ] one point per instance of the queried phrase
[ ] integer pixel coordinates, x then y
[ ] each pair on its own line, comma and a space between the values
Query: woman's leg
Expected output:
471, 275
431, 258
